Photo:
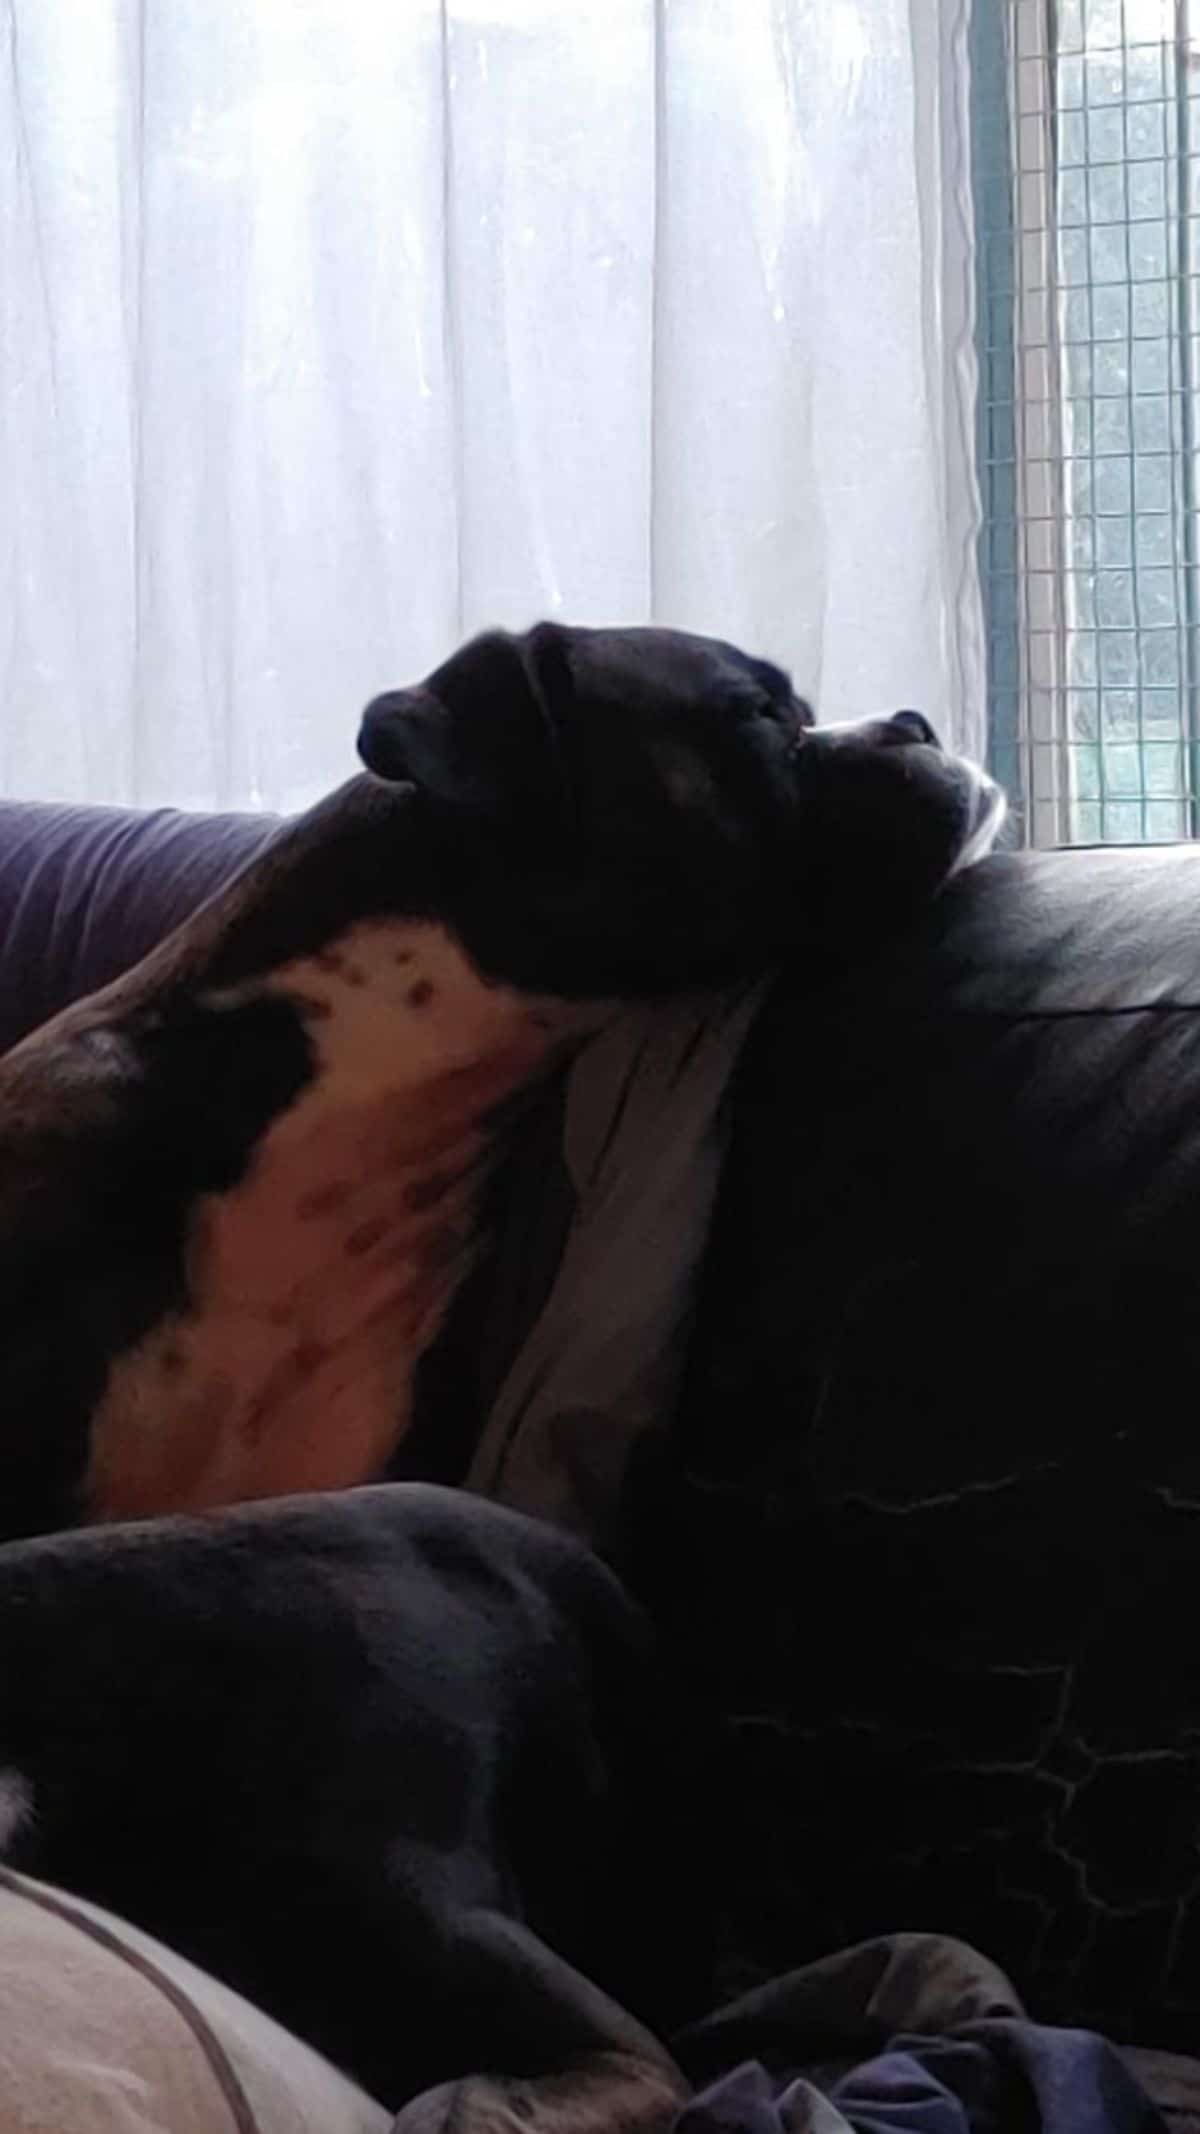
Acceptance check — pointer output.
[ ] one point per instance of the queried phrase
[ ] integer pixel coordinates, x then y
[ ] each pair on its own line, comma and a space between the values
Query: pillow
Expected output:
105, 2031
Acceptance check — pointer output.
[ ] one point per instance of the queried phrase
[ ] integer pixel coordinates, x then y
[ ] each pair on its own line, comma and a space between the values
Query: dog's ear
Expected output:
482, 734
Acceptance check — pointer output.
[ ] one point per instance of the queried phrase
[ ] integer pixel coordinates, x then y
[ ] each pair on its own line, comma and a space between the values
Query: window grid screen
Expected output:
1088, 195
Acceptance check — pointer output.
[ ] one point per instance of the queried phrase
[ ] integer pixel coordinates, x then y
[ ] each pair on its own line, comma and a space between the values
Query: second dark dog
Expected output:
386, 1761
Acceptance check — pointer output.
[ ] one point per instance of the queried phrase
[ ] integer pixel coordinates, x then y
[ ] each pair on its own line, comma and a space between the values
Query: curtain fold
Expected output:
330, 333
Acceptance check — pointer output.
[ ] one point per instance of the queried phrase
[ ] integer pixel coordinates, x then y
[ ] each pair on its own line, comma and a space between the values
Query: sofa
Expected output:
924, 1534
930, 1534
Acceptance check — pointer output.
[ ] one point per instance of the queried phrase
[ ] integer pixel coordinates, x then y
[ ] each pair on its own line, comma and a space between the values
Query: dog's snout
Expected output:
905, 727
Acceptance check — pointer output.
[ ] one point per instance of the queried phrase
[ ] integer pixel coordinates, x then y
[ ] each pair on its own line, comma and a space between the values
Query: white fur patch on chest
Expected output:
319, 1280
16, 1806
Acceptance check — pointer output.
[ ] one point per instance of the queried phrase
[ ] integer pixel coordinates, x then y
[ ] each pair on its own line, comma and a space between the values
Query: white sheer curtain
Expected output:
333, 331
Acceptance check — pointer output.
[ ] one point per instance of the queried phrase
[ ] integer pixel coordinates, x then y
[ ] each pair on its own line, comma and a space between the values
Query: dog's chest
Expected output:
316, 1283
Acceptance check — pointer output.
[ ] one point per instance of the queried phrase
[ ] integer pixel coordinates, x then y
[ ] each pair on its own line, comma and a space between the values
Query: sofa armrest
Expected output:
85, 892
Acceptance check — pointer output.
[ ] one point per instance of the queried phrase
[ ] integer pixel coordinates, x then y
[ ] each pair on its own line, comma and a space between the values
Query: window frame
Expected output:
1030, 569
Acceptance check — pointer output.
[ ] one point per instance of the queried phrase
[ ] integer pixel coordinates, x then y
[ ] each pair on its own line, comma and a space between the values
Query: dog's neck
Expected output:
395, 1006
364, 852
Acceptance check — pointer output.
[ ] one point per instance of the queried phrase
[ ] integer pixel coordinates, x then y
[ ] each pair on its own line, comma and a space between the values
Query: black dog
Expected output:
383, 1760
239, 1187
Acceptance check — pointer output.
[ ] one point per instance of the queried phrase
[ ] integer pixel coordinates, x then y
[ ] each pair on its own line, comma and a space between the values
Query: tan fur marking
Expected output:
324, 1200
442, 1247
312, 1008
426, 1192
366, 1235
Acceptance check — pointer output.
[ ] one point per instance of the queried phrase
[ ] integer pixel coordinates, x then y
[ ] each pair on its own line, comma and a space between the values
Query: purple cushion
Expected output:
85, 892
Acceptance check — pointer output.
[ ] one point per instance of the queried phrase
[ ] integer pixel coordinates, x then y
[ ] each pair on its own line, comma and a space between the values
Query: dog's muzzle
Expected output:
980, 798
986, 801
906, 728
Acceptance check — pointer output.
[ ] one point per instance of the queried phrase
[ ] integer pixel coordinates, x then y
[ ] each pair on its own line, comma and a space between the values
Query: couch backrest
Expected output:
930, 1535
85, 892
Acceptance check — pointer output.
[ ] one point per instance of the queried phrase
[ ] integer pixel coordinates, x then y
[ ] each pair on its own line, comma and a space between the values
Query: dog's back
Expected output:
381, 1760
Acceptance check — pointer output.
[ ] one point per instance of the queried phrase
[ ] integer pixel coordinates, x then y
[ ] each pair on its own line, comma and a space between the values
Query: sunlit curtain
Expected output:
334, 330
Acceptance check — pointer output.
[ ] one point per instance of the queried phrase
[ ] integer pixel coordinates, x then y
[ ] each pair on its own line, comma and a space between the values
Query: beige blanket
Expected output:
105, 2031
644, 1133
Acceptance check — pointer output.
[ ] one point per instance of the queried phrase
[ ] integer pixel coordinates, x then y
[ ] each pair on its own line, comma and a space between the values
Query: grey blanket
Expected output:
597, 1374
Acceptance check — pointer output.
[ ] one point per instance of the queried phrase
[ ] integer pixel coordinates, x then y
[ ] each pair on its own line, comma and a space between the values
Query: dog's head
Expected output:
625, 811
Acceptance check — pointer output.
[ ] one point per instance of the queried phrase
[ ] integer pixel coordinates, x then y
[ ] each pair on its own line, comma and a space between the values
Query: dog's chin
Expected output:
987, 809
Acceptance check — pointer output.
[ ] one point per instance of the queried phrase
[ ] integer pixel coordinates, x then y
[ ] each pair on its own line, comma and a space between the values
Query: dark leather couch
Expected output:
928, 1530
931, 1531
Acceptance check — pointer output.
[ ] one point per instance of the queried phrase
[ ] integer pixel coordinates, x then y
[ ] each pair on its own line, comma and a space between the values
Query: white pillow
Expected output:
105, 2031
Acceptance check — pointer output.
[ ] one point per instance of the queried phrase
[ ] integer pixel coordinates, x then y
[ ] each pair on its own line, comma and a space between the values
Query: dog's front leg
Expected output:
588, 2066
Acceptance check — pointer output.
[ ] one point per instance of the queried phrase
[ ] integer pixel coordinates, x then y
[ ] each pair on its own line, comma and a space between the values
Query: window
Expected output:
332, 334
1087, 180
